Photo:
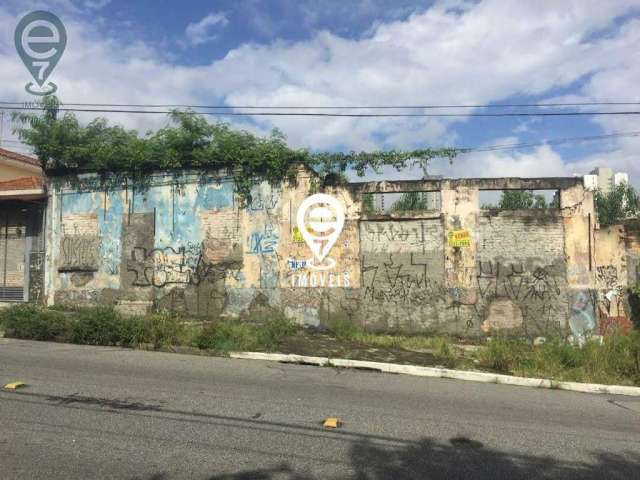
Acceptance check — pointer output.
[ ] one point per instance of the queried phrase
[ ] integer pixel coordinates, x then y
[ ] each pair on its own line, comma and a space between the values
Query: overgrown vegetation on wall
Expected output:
620, 204
410, 201
521, 200
64, 146
367, 203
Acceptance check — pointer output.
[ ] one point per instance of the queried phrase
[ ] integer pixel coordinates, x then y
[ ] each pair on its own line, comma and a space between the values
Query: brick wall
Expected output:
521, 272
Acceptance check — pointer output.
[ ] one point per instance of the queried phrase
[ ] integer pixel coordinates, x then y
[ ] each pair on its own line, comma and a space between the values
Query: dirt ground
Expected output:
317, 344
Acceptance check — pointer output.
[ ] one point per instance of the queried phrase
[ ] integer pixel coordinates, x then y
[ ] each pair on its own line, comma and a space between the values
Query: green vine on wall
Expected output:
65, 147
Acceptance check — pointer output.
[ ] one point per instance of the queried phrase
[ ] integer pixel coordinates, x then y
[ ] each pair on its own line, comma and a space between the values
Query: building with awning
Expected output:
23, 199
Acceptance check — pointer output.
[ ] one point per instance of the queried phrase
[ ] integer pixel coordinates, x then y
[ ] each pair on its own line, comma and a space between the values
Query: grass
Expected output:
230, 335
31, 322
615, 361
165, 329
441, 347
104, 326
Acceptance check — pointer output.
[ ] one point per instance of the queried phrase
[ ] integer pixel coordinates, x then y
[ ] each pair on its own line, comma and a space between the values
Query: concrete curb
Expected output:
436, 372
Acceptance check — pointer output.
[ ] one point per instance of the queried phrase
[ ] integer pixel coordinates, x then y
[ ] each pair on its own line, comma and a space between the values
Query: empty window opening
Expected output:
519, 199
383, 203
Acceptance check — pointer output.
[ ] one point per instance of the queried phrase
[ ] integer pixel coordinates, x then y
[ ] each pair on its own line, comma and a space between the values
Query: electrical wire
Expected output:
555, 141
341, 107
349, 115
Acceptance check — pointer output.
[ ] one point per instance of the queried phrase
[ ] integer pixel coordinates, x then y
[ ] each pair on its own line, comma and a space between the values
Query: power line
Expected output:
348, 115
340, 107
556, 141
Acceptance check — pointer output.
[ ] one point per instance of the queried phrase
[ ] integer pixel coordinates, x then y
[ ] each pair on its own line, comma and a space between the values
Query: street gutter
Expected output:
438, 372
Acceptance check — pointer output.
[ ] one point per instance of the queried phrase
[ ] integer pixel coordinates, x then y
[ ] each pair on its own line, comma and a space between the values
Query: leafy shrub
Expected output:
191, 141
35, 323
104, 326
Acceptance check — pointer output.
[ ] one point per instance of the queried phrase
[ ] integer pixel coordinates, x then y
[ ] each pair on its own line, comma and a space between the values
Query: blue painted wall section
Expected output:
109, 223
183, 242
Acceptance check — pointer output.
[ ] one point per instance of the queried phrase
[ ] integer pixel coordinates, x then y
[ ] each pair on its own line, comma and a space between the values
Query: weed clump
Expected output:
163, 330
615, 360
33, 322
104, 326
235, 335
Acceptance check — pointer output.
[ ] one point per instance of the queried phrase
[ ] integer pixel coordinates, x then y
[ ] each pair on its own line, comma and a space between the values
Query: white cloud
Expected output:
455, 52
201, 31
96, 4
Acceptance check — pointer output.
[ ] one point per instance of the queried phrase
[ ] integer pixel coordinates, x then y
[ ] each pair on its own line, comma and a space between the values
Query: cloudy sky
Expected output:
361, 53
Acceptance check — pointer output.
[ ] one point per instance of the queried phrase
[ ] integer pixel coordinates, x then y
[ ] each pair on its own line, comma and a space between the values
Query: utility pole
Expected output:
1, 125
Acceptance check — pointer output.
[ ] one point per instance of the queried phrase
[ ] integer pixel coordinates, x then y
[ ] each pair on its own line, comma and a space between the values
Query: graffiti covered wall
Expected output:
521, 271
611, 280
186, 243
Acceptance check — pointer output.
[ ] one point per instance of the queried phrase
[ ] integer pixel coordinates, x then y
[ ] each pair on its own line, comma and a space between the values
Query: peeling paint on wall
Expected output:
184, 242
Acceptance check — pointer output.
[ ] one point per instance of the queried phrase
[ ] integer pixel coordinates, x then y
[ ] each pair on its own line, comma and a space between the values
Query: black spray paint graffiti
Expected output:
387, 279
264, 201
533, 291
408, 290
389, 237
461, 300
607, 276
514, 282
161, 267
79, 253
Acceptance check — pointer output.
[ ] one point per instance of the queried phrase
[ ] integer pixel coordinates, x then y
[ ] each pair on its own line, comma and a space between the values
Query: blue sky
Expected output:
369, 52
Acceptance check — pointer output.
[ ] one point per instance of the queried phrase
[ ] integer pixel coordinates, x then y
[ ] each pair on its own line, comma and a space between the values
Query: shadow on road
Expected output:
461, 458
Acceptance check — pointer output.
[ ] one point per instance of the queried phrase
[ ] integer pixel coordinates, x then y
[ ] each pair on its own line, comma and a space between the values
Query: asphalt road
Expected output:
110, 413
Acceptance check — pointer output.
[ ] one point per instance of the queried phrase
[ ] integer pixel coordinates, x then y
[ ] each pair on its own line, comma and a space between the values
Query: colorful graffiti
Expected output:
263, 241
193, 247
582, 313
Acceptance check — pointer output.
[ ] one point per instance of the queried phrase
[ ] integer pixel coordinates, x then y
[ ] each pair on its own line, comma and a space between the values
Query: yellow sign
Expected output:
460, 238
296, 235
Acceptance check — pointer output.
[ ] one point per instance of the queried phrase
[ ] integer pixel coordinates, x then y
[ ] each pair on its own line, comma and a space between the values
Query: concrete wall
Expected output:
186, 244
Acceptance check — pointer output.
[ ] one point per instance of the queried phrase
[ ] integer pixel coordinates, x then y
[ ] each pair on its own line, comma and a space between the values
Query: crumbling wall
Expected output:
403, 284
612, 280
632, 250
521, 272
186, 243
